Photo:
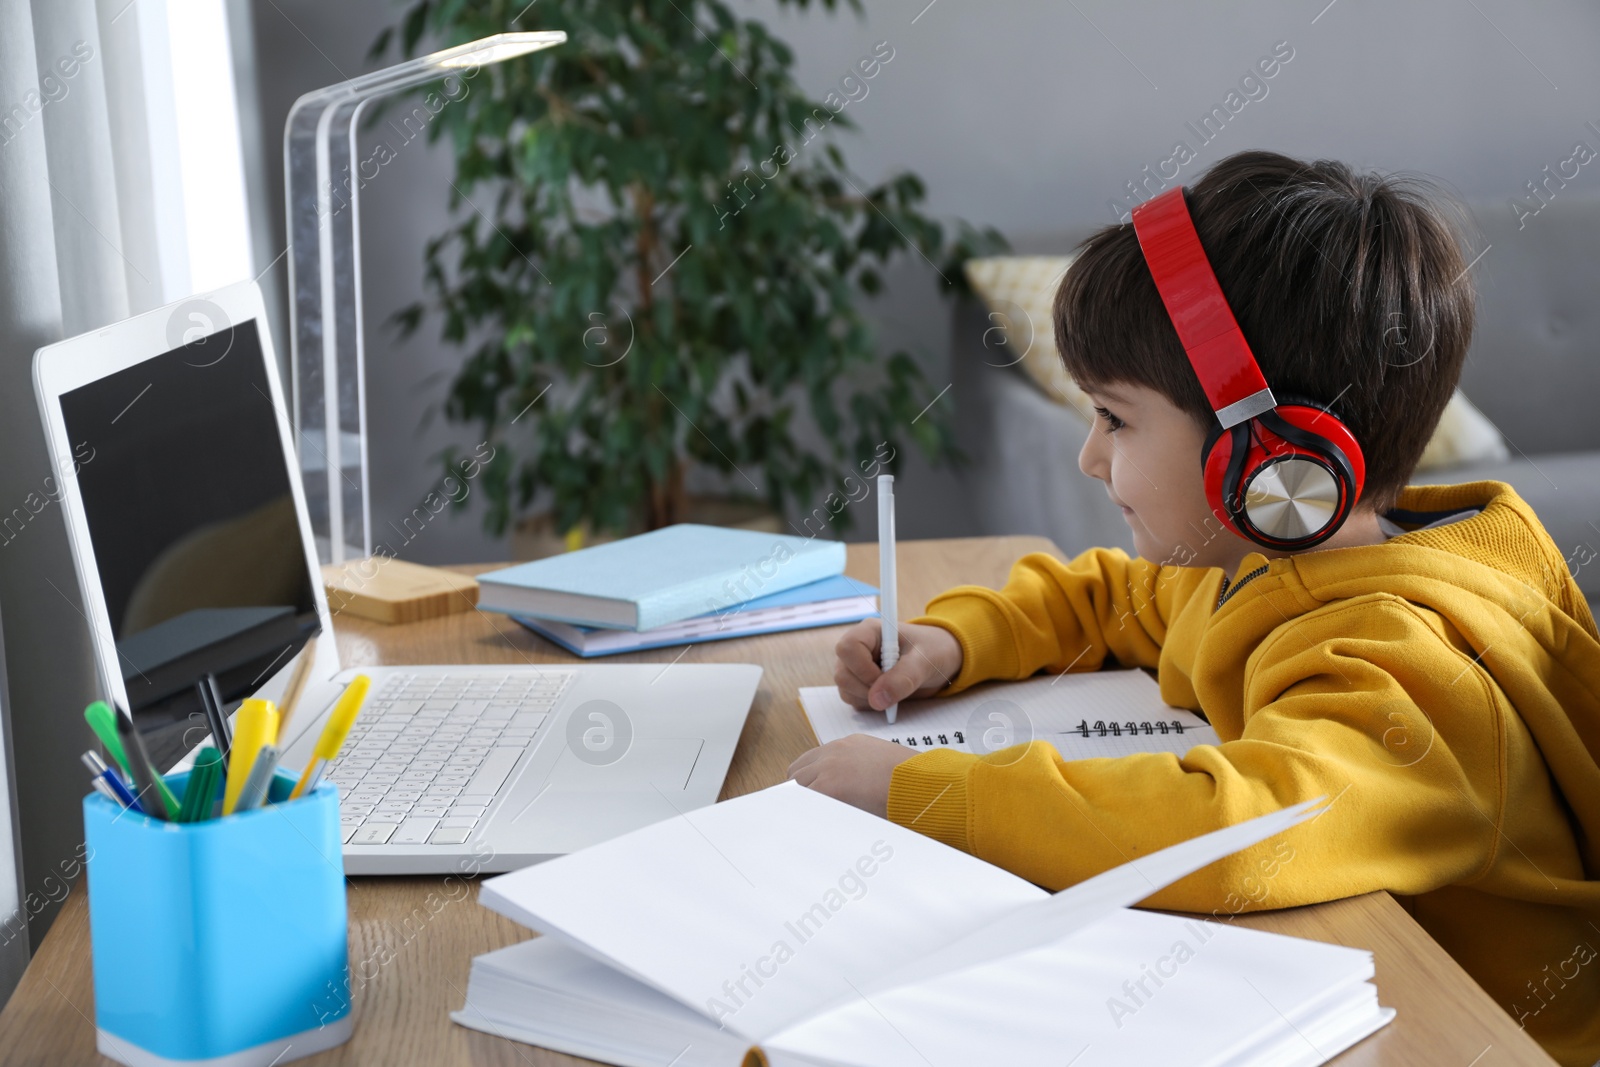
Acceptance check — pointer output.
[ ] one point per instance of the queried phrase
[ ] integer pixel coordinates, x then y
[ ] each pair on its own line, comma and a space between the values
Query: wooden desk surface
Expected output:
412, 938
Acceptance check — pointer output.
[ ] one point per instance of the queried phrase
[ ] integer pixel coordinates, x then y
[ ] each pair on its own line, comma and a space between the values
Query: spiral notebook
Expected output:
1084, 715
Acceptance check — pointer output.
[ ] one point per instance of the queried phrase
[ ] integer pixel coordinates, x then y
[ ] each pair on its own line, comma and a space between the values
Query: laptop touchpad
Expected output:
649, 764
584, 803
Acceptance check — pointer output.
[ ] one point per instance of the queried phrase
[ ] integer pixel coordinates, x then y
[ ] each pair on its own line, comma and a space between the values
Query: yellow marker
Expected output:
333, 734
254, 726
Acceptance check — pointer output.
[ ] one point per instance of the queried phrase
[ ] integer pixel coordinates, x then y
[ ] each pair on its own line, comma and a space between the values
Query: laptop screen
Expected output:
188, 503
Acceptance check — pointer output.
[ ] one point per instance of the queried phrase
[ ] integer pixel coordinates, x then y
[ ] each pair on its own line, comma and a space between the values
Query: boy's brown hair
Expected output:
1351, 289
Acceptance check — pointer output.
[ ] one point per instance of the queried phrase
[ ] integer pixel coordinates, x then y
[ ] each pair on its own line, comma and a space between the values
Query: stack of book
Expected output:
679, 585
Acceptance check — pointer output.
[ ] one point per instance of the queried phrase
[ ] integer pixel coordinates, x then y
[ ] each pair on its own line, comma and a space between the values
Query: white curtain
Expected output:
50, 268
92, 229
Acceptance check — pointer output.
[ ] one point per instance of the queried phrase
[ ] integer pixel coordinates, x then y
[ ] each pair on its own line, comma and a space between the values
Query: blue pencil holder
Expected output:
222, 942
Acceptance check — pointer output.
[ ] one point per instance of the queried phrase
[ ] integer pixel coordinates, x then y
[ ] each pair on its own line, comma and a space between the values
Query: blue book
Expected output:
826, 603
660, 577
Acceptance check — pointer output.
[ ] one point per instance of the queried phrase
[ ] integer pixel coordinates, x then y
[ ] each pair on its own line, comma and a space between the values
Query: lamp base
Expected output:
390, 590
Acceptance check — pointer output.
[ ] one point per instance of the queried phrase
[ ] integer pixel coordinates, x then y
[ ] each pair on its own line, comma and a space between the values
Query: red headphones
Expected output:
1284, 475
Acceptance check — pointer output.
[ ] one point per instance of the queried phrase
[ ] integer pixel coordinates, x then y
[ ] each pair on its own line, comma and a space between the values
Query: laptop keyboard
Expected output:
429, 752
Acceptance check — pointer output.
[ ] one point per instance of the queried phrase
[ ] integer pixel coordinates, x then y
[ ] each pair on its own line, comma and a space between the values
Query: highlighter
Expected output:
255, 725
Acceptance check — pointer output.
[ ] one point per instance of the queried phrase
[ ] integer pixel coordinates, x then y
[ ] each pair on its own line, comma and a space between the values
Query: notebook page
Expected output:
1063, 914
758, 911
1094, 713
1229, 995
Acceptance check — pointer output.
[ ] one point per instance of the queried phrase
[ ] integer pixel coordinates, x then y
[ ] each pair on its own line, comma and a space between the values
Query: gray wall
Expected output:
1027, 115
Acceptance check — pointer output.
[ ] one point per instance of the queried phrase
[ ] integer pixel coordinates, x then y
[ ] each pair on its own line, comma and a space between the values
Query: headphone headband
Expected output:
1210, 335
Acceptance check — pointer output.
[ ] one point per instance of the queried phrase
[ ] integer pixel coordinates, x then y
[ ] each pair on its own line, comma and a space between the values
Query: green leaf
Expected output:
381, 44
413, 27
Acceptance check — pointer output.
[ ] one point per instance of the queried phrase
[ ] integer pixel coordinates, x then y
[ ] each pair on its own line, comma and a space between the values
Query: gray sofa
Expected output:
1533, 369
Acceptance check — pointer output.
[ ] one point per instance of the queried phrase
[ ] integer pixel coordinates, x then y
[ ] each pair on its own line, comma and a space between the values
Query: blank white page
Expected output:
773, 904
1095, 713
1227, 995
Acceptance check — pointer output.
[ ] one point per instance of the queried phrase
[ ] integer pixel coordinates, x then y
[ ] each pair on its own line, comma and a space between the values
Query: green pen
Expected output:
103, 721
200, 794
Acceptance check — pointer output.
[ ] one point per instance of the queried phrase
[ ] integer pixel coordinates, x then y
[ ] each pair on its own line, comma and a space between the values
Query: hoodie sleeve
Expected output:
1100, 607
1366, 705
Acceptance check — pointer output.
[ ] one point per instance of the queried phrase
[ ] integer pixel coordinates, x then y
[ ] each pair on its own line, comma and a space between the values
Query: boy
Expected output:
1430, 664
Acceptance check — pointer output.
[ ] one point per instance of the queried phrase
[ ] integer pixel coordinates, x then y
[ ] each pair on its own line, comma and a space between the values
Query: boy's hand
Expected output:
930, 658
854, 769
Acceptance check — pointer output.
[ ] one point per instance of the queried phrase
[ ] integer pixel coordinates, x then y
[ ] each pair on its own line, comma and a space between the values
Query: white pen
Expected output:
890, 654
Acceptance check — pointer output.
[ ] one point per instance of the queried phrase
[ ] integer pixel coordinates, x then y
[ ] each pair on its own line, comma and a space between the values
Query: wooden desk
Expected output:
412, 939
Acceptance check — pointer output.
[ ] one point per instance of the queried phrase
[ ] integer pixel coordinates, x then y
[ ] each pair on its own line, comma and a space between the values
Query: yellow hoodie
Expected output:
1443, 687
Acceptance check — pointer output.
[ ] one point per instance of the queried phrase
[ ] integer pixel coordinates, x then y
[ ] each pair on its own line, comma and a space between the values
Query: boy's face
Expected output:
1148, 454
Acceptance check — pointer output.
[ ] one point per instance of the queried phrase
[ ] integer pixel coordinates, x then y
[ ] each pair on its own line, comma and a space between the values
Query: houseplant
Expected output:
657, 262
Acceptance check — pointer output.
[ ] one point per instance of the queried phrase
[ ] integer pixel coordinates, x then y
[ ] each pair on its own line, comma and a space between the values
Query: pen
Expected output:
890, 653
211, 705
106, 725
105, 791
154, 796
333, 734
254, 792
107, 782
103, 721
258, 726
200, 795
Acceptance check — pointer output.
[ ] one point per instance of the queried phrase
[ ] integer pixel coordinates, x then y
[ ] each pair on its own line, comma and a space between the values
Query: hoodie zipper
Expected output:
1225, 593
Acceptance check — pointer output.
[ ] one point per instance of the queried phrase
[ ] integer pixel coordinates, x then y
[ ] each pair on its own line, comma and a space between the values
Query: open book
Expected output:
787, 929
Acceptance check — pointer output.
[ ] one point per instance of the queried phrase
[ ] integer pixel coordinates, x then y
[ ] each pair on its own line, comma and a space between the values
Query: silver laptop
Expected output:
194, 554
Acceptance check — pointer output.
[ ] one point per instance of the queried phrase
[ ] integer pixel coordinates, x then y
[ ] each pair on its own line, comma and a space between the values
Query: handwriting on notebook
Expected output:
1095, 713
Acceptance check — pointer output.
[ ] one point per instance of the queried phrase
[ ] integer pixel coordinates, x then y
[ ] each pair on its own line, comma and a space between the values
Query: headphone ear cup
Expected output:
1337, 444
1304, 445
1233, 459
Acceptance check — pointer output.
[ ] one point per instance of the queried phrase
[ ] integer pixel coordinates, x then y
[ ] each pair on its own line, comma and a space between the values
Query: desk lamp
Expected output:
327, 366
